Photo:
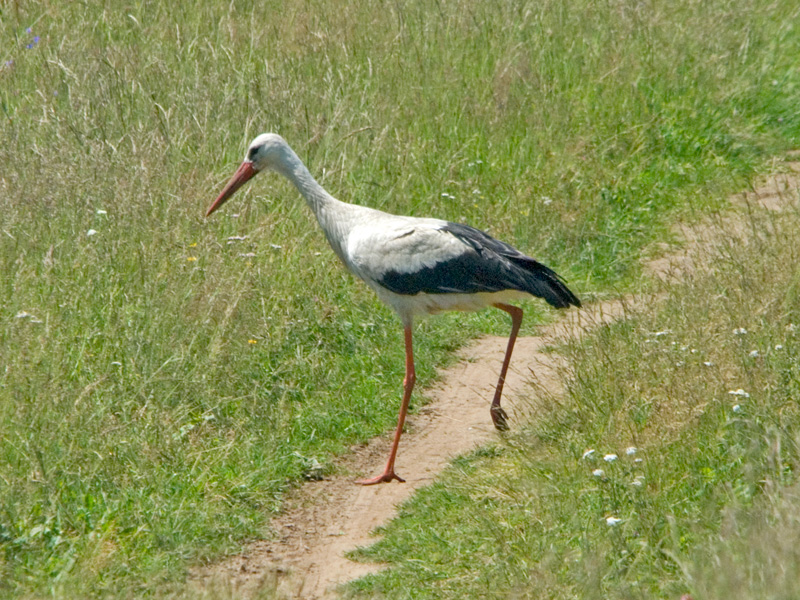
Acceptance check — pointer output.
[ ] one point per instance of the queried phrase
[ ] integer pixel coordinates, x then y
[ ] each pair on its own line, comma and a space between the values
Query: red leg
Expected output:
499, 416
408, 385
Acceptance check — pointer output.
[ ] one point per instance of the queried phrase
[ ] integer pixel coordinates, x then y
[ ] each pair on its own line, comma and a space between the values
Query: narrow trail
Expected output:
326, 519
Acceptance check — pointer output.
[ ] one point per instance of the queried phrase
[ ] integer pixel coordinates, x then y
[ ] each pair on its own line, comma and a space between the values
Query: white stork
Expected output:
416, 266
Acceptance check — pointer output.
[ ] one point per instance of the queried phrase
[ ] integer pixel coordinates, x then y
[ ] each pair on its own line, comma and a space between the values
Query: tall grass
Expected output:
159, 386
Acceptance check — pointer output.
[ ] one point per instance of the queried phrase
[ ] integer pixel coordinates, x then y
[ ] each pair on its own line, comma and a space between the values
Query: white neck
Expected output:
336, 218
291, 167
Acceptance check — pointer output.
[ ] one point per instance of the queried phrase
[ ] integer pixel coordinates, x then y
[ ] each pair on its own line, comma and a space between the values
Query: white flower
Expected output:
754, 354
236, 238
610, 457
737, 408
638, 460
24, 314
631, 450
598, 472
588, 454
739, 393
100, 211
739, 331
611, 521
90, 233
547, 200
779, 347
247, 254
638, 481
708, 363
660, 333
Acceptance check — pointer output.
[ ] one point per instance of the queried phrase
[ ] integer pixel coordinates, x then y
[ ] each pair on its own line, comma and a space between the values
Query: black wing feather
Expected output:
487, 265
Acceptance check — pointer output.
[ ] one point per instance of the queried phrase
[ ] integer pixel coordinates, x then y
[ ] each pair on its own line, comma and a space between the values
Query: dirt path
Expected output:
326, 519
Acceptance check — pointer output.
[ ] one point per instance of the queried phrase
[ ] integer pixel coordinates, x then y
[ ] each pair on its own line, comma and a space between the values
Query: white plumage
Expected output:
417, 266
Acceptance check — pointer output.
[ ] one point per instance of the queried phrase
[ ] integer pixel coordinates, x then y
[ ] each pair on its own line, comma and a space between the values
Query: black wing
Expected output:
486, 265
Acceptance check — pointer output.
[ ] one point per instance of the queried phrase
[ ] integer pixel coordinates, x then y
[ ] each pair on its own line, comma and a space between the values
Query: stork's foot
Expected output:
499, 418
386, 477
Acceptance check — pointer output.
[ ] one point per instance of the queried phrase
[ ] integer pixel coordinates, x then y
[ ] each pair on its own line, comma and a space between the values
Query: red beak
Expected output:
243, 174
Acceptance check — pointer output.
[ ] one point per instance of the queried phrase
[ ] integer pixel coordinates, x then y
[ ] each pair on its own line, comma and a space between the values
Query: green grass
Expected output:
141, 430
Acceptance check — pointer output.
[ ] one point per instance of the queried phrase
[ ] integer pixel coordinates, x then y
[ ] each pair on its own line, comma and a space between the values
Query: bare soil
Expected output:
324, 520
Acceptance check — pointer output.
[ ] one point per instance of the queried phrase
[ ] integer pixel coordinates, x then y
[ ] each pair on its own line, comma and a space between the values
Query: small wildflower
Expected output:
91, 232
278, 247
708, 363
611, 521
547, 200
236, 238
631, 450
24, 314
588, 454
754, 354
779, 347
739, 393
638, 460
191, 258
251, 341
598, 472
737, 408
100, 211
247, 254
116, 363
638, 481
32, 43
610, 457
193, 245
740, 331
662, 333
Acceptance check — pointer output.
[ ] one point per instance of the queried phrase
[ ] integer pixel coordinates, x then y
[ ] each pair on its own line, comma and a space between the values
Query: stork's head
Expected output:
267, 151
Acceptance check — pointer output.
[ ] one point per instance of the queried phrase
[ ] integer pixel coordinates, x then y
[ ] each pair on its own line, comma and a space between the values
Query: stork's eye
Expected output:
252, 152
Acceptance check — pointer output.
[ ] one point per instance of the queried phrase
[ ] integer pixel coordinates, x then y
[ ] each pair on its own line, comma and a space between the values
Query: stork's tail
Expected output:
545, 283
